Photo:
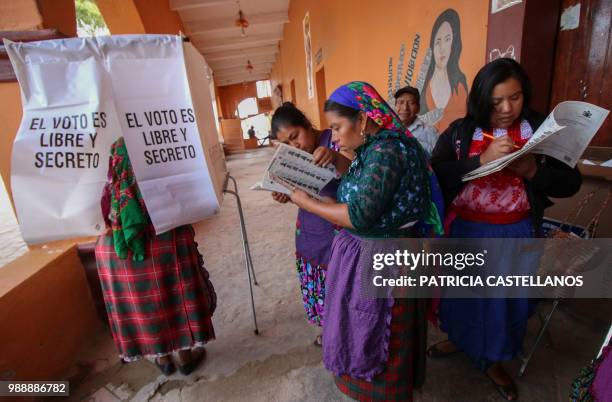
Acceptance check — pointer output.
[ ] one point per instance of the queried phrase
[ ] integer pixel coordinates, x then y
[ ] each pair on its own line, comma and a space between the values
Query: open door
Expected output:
583, 59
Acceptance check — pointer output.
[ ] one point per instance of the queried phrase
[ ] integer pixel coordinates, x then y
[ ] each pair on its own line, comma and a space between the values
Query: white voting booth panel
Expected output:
60, 154
79, 95
201, 85
157, 116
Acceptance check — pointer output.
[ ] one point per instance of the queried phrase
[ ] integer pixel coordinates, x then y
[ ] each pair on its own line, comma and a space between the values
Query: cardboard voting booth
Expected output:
79, 95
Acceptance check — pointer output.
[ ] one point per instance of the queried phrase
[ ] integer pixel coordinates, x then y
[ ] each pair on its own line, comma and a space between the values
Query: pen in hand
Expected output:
489, 136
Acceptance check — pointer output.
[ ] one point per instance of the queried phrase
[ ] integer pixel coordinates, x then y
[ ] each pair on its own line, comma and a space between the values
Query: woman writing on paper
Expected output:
313, 235
506, 204
374, 347
157, 293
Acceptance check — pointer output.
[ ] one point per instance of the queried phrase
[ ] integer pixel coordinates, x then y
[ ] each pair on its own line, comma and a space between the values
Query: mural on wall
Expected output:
308, 50
440, 81
495, 54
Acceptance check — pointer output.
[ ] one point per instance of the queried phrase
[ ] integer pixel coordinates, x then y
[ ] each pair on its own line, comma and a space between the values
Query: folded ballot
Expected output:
291, 168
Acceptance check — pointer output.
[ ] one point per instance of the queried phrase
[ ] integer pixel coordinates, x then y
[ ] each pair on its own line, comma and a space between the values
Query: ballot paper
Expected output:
267, 184
293, 168
564, 135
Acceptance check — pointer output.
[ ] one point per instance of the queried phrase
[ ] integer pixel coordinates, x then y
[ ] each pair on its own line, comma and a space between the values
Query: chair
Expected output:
556, 229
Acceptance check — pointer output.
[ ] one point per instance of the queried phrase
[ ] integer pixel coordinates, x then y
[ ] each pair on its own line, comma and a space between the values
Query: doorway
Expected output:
583, 61
293, 97
321, 96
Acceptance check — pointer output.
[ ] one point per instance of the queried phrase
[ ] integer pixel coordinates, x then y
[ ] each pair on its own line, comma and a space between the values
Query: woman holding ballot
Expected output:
374, 347
313, 235
158, 296
506, 204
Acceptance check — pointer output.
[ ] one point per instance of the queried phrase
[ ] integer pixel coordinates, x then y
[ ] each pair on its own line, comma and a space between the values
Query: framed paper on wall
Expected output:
308, 50
499, 5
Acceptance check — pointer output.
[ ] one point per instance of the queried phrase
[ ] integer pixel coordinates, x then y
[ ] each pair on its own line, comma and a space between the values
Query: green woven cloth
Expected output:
128, 215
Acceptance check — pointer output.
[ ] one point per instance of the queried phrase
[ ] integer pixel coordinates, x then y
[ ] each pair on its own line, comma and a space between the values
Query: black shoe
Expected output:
167, 369
188, 368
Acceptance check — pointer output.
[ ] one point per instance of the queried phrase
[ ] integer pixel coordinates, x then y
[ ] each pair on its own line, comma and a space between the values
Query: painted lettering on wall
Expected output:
416, 43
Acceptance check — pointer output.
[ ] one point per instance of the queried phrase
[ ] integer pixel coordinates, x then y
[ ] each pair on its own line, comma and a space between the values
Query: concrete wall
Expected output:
121, 17
231, 95
158, 18
357, 38
10, 118
47, 314
140, 16
527, 32
59, 14
19, 15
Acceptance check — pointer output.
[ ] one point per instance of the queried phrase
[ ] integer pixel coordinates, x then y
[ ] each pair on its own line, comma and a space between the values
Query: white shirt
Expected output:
426, 134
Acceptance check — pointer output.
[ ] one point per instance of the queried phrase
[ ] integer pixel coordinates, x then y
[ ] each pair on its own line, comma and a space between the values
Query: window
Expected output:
263, 89
89, 19
247, 107
260, 123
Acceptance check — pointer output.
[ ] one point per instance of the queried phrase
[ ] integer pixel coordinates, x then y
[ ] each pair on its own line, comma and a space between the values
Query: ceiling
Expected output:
210, 25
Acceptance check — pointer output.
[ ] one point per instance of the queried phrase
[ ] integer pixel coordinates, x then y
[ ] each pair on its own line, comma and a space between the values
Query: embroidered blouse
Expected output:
499, 197
386, 186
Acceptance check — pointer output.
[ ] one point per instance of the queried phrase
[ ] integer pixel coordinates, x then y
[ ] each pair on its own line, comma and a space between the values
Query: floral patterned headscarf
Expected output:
128, 215
359, 95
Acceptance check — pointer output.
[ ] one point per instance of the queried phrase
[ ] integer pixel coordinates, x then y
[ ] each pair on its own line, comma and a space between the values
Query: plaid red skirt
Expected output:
406, 365
162, 304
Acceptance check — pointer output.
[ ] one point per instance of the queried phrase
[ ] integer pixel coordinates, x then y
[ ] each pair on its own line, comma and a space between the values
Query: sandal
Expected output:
318, 341
436, 353
167, 369
188, 368
506, 391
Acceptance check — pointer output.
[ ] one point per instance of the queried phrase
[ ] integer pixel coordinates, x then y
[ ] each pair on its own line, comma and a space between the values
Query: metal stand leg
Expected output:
247, 251
548, 342
245, 239
543, 330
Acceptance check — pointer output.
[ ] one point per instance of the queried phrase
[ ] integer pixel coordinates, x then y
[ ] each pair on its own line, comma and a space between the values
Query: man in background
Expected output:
407, 105
251, 132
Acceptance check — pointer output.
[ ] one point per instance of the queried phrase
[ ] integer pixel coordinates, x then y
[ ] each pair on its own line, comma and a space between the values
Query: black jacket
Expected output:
552, 179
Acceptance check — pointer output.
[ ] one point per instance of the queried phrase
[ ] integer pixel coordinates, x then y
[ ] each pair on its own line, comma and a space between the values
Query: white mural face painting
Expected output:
80, 95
